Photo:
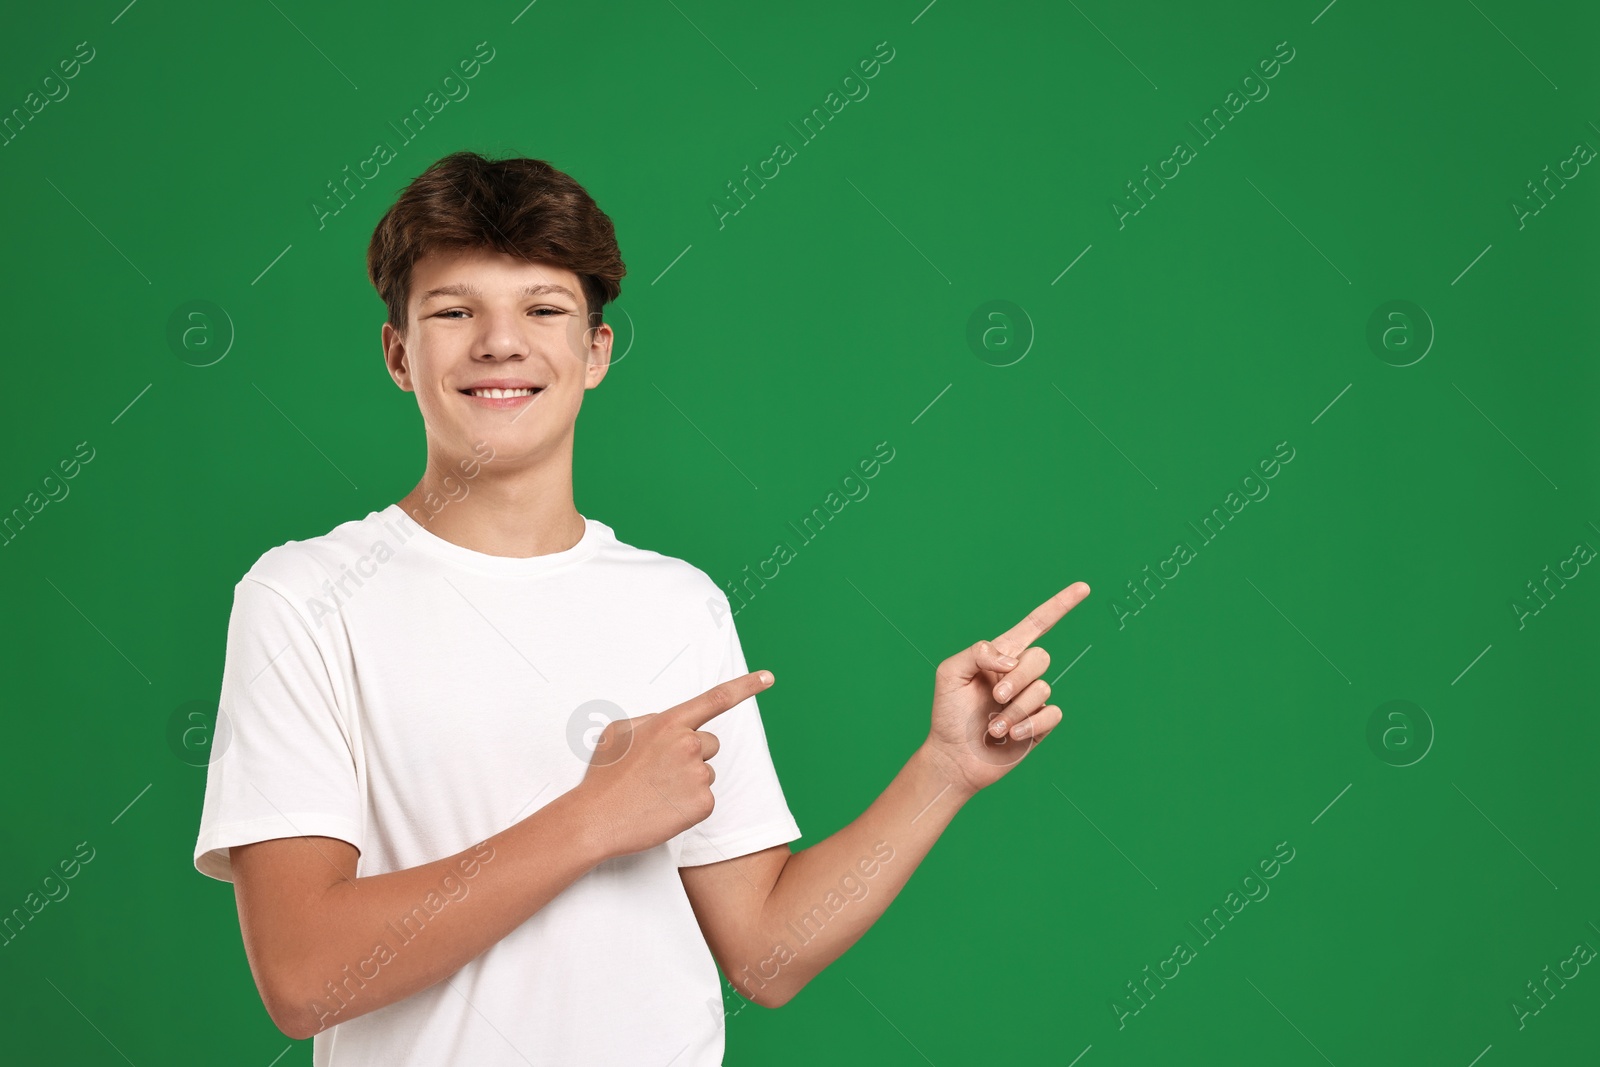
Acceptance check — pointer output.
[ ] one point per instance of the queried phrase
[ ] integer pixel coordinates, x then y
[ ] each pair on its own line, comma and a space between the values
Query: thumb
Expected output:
964, 666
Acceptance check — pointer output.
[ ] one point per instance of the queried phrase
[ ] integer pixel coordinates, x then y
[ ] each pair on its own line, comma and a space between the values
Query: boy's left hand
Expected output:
975, 689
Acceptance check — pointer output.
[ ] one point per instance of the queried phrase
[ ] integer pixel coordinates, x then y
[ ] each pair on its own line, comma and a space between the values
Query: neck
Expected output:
489, 507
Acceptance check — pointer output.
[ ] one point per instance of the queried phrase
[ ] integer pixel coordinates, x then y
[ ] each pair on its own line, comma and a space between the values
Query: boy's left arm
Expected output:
774, 919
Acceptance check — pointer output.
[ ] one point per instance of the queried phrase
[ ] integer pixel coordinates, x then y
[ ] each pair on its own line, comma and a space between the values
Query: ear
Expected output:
598, 356
394, 358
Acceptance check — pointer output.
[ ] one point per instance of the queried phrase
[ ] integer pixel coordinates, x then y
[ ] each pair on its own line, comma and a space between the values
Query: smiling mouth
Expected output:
500, 394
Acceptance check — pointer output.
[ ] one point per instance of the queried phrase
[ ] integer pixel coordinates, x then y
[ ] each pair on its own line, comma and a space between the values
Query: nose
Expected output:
500, 338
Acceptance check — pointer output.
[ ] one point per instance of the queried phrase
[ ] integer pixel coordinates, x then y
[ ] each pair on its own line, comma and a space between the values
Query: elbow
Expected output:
772, 1002
296, 1015
293, 1027
772, 995
764, 986
290, 1018
777, 998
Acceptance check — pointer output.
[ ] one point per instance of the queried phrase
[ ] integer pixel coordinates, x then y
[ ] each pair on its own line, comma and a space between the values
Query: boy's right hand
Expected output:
648, 779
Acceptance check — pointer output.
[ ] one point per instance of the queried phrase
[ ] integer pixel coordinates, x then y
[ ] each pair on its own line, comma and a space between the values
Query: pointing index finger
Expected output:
697, 711
1040, 619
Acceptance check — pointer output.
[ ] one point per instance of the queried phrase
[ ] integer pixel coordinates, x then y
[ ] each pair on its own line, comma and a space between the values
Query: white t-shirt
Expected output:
414, 697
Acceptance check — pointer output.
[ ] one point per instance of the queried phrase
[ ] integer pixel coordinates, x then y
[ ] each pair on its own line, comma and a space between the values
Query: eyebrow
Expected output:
461, 289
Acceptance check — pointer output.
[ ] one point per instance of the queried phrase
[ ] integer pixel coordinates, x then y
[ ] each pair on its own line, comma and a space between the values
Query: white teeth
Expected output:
500, 394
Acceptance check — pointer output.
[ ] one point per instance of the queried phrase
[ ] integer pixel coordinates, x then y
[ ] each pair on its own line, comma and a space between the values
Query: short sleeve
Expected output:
751, 812
282, 761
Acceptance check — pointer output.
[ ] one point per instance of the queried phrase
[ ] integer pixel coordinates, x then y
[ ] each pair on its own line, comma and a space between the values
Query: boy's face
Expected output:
490, 328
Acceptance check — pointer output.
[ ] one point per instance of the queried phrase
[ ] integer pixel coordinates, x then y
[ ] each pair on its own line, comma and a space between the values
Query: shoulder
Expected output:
298, 569
670, 577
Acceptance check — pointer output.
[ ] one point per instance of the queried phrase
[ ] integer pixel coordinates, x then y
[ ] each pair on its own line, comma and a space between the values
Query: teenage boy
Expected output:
469, 800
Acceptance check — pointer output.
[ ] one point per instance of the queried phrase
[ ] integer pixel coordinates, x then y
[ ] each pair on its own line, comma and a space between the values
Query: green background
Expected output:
768, 356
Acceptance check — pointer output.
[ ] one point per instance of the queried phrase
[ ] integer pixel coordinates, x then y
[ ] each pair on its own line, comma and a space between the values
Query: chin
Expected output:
505, 446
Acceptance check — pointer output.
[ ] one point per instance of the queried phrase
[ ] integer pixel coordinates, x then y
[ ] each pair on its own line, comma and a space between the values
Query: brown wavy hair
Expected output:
519, 206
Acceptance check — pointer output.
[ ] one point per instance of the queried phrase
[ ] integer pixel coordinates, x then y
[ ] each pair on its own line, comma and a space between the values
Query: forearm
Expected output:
375, 940
828, 895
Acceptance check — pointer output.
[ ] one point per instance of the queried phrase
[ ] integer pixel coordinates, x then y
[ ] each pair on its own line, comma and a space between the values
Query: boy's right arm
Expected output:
311, 927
